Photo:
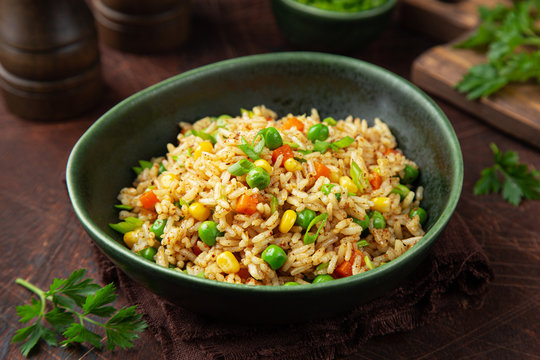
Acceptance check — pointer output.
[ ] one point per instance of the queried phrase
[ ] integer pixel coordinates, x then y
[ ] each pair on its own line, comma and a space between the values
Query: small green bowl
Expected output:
317, 29
141, 126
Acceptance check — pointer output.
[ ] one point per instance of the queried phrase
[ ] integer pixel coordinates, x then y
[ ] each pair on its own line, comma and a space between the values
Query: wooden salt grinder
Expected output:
49, 58
142, 26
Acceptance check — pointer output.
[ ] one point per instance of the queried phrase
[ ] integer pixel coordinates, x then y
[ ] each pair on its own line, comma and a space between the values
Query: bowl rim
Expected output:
106, 242
339, 15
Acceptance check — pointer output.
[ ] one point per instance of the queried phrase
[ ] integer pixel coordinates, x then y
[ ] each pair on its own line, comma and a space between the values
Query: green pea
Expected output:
157, 228
330, 121
322, 278
291, 283
378, 220
304, 217
402, 190
422, 214
272, 138
274, 256
148, 253
409, 174
208, 232
317, 132
364, 223
258, 178
161, 168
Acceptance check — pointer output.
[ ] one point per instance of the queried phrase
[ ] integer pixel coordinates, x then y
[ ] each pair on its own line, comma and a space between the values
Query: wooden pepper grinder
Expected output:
49, 58
142, 26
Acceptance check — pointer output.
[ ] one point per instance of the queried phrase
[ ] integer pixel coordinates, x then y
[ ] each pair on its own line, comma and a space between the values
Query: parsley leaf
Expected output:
518, 181
73, 300
511, 40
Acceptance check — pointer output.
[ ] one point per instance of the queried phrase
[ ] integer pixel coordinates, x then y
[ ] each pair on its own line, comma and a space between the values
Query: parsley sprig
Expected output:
73, 301
511, 37
518, 180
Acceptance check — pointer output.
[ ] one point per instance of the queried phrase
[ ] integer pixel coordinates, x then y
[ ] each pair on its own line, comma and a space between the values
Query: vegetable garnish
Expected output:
204, 136
330, 121
247, 204
512, 39
143, 164
241, 167
363, 243
311, 238
358, 176
129, 224
274, 203
123, 207
518, 180
253, 151
74, 300
323, 146
148, 200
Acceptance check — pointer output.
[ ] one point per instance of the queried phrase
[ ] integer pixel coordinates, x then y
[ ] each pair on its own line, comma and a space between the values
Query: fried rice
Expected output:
194, 183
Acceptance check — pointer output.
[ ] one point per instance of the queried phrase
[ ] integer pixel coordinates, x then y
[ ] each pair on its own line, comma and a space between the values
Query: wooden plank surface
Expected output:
514, 109
42, 239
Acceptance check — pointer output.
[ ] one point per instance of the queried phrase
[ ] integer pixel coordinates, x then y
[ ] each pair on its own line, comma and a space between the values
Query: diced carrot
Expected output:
293, 122
268, 118
284, 150
148, 200
196, 250
244, 273
375, 181
321, 170
389, 150
344, 269
247, 204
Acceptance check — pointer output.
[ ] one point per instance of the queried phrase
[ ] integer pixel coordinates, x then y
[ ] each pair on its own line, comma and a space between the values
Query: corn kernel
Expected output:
287, 221
264, 164
166, 179
334, 176
205, 146
292, 165
131, 238
199, 211
228, 263
381, 204
347, 183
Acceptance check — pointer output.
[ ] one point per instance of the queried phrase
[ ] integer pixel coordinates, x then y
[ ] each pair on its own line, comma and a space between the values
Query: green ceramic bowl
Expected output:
316, 29
141, 126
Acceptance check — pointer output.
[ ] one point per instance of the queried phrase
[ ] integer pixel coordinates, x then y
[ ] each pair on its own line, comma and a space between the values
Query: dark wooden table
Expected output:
42, 239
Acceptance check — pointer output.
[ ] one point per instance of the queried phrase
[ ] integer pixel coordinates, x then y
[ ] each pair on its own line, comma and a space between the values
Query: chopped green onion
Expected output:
174, 157
123, 207
249, 112
188, 133
369, 264
338, 196
358, 176
221, 123
321, 146
129, 224
249, 150
137, 169
146, 164
300, 159
326, 188
182, 202
189, 152
274, 203
304, 152
204, 136
351, 194
311, 238
293, 145
321, 266
151, 187
224, 116
363, 243
162, 169
343, 143
241, 167
330, 121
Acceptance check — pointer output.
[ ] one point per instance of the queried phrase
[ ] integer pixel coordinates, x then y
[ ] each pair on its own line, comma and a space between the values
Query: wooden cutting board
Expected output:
515, 109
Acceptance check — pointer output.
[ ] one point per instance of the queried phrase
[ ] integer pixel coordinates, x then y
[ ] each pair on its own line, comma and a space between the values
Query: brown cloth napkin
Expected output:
455, 275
